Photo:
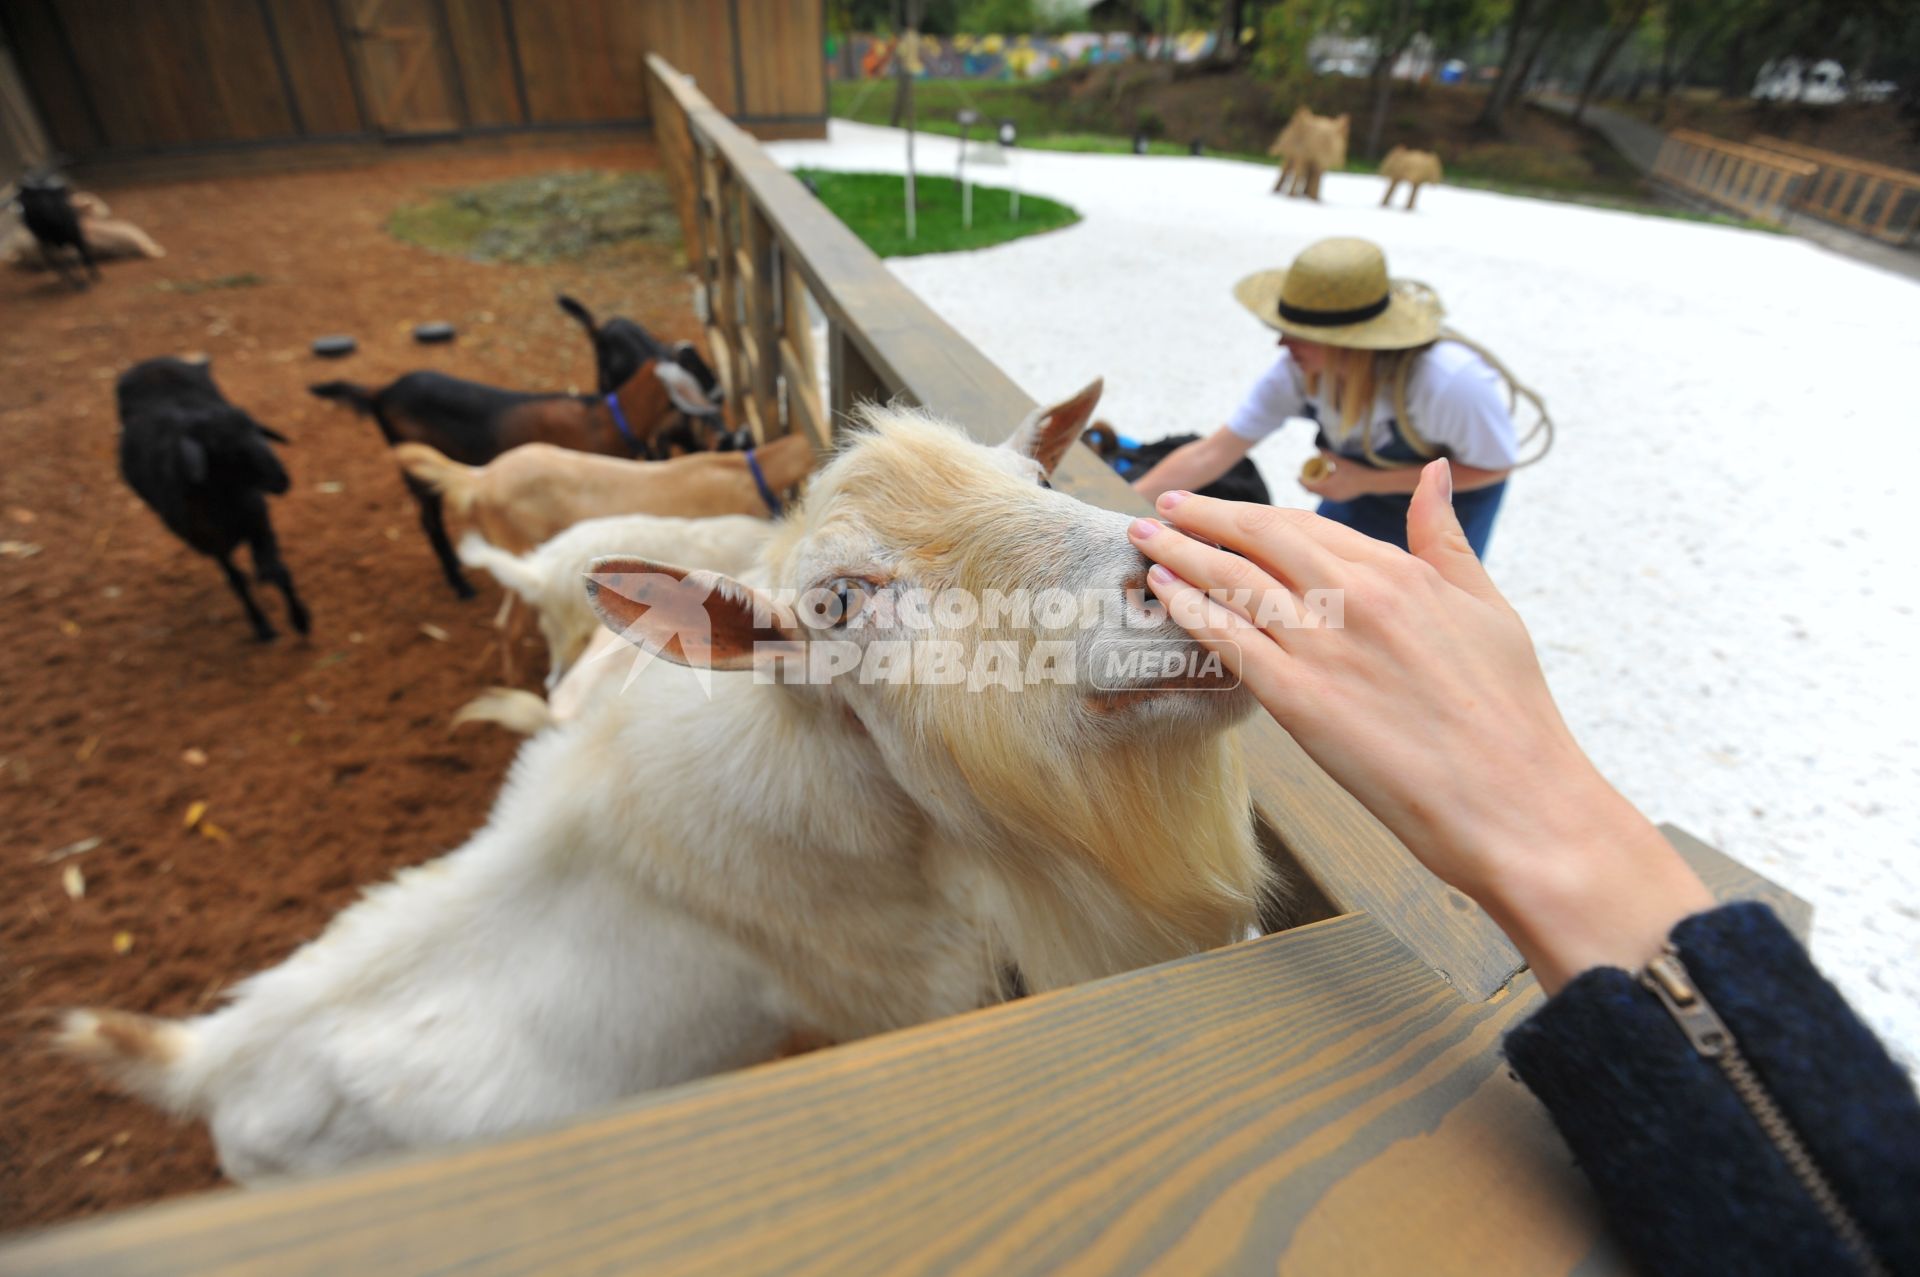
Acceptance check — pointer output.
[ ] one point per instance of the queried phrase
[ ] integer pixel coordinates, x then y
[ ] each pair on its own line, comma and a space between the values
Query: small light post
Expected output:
968, 117
1008, 136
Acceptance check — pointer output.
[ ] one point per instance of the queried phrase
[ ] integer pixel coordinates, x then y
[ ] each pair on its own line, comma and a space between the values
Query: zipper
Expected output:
1670, 981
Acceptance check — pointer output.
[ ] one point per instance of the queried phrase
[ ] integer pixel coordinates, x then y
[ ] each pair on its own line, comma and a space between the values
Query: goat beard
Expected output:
1107, 855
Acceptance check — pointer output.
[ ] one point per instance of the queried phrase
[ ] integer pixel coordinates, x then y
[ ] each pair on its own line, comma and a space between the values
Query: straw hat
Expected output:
1337, 292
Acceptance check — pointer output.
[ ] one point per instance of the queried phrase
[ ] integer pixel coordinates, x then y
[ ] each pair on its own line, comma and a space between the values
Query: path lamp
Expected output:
968, 117
1008, 136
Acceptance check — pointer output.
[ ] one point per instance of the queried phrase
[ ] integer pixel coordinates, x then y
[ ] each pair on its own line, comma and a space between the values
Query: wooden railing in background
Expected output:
1761, 184
1870, 198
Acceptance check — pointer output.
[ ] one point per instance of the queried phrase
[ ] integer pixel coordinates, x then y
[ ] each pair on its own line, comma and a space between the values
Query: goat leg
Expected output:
59, 266
269, 568
262, 628
86, 256
435, 525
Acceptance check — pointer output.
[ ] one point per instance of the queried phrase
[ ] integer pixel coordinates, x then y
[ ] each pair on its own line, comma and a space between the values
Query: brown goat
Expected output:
474, 423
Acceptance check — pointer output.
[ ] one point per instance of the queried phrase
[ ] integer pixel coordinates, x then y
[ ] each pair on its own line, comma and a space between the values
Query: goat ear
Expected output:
690, 616
683, 388
1048, 432
193, 459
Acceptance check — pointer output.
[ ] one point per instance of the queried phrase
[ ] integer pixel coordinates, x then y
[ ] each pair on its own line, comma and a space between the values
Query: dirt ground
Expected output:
131, 685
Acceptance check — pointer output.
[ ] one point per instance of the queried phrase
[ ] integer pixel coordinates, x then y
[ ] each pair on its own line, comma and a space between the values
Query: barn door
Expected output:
403, 67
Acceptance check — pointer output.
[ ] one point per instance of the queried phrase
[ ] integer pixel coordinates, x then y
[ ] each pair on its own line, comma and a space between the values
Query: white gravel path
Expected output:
1711, 560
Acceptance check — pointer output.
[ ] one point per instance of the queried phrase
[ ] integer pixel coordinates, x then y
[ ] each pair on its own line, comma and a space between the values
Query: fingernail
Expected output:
1168, 500
1142, 529
1160, 575
1445, 480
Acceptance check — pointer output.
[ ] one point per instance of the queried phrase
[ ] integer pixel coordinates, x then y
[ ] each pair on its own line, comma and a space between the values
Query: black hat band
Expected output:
1334, 318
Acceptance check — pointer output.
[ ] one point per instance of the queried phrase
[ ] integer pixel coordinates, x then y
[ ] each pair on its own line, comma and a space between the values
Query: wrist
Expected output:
1599, 886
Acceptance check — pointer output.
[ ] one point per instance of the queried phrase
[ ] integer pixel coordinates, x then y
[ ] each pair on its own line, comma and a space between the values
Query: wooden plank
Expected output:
762, 321
482, 52
884, 341
1728, 879
804, 412
780, 54
317, 65
47, 67
1308, 1103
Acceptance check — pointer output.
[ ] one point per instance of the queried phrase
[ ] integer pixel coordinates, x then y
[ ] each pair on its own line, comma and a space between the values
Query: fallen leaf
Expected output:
330, 487
70, 629
123, 942
86, 749
71, 849
93, 1155
20, 514
195, 757
195, 810
74, 881
121, 1138
213, 831
356, 637
18, 549
319, 704
390, 533
434, 632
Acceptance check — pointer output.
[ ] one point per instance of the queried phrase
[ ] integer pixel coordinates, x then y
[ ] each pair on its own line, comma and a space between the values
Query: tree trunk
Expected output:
1495, 103
1515, 84
1616, 40
1393, 43
1227, 51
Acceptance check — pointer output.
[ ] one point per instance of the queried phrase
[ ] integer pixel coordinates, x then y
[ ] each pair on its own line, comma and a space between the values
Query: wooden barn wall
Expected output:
131, 77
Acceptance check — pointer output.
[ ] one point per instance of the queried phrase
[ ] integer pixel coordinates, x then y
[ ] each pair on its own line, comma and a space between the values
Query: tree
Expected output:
1626, 17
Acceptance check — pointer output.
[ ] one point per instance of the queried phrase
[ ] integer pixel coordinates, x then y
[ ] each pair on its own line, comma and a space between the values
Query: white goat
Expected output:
549, 577
680, 878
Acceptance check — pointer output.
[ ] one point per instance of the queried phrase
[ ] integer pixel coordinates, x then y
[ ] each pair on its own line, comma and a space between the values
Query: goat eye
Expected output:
1045, 484
850, 594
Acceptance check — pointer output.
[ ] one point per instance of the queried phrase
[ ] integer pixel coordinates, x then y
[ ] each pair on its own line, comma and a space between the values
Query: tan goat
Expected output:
527, 495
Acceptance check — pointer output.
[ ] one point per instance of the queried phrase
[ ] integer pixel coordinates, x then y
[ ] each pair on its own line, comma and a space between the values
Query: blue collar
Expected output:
620, 421
760, 482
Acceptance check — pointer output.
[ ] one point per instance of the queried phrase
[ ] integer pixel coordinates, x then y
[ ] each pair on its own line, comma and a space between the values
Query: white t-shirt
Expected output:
1457, 402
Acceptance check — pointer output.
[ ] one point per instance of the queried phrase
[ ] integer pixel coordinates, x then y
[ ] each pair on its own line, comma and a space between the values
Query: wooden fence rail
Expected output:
1759, 183
1870, 198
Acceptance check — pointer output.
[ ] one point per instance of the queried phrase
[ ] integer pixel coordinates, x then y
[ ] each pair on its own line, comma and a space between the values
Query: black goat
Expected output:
46, 207
473, 423
205, 467
622, 347
1130, 460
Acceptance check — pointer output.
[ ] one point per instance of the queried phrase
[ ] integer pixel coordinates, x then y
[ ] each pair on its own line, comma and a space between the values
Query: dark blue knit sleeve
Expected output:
1687, 1176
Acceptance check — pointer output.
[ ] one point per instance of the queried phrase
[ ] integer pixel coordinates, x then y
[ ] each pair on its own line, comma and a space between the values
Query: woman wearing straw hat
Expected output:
1364, 357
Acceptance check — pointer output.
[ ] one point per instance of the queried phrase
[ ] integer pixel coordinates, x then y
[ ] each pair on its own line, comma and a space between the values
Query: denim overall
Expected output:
1384, 517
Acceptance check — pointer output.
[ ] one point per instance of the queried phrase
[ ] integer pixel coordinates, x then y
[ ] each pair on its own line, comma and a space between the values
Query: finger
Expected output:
1239, 585
1249, 653
1300, 547
1434, 533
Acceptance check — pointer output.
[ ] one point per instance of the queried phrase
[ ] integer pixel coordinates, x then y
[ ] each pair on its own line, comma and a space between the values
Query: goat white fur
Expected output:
674, 881
549, 577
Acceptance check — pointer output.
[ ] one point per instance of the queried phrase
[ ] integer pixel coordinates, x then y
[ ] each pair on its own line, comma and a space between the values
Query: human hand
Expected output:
1429, 706
1343, 480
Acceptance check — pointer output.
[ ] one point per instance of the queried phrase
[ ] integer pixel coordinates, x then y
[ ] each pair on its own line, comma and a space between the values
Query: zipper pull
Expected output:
1670, 981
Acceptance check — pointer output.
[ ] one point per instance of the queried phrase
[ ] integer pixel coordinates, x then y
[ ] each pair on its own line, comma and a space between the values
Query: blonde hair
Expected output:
1353, 379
